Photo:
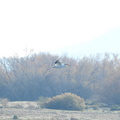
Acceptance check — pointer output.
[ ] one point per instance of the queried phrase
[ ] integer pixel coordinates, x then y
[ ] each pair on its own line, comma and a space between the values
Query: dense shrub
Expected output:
41, 101
72, 118
115, 108
66, 101
15, 117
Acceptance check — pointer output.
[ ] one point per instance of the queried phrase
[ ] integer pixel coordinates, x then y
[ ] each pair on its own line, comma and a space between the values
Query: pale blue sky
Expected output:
47, 25
106, 43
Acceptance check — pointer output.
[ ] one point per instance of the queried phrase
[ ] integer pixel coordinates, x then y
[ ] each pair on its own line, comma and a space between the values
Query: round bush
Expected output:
66, 101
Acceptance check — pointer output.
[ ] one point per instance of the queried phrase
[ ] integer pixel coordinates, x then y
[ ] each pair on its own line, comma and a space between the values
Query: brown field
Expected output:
31, 112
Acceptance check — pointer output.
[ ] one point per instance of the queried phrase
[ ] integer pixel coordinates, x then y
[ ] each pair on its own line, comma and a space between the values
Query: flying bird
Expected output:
58, 64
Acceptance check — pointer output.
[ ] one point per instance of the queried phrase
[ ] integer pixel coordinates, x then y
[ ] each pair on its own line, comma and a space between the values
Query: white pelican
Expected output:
58, 64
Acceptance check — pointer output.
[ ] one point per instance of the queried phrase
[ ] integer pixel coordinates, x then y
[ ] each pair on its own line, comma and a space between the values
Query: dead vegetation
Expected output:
28, 78
24, 111
47, 114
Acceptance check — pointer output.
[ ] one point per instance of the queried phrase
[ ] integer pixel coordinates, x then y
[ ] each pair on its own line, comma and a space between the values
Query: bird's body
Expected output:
58, 64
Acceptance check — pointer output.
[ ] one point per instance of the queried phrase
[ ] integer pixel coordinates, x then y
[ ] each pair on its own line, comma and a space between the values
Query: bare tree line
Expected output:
28, 78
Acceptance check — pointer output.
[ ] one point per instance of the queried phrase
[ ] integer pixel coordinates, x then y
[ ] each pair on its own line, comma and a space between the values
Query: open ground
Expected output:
30, 112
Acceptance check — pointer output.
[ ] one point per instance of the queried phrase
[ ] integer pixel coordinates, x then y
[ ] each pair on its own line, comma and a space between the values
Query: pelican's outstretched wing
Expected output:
57, 62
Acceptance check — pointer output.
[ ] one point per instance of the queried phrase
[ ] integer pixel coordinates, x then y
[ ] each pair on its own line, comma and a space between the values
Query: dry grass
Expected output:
26, 112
